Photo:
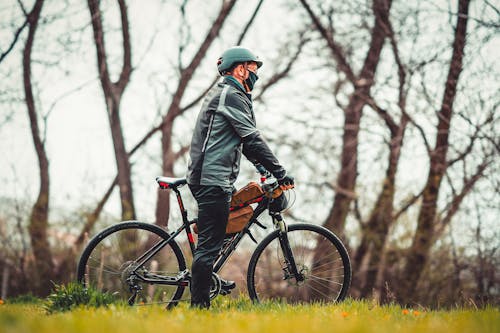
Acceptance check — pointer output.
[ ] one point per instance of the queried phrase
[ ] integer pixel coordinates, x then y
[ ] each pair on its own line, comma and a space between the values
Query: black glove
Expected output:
286, 180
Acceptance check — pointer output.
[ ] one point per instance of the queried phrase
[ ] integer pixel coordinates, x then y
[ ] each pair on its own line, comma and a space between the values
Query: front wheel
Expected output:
317, 268
109, 264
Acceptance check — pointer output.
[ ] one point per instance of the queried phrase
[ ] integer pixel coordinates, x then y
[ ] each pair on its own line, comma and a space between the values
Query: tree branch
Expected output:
458, 197
389, 121
92, 217
127, 49
276, 77
422, 134
99, 43
216, 78
335, 48
249, 23
401, 67
14, 41
407, 205
183, 150
357, 213
174, 109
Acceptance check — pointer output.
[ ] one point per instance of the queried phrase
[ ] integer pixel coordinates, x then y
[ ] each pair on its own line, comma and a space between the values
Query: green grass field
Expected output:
241, 316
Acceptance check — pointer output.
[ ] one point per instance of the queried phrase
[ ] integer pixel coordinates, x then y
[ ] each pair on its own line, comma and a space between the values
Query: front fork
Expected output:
291, 269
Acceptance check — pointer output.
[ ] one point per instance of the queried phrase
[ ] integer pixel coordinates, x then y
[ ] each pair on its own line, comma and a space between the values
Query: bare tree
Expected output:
424, 235
39, 215
371, 260
485, 275
376, 229
362, 84
113, 92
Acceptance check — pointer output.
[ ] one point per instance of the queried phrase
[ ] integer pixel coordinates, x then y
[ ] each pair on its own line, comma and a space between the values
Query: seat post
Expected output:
181, 204
185, 220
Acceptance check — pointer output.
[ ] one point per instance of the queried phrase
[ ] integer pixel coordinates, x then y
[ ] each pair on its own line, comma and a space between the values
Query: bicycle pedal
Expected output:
224, 292
227, 284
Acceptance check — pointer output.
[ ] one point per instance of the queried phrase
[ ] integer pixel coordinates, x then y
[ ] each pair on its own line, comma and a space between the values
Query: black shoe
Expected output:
200, 306
226, 286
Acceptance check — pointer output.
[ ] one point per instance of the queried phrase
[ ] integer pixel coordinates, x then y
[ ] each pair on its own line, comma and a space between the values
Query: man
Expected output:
225, 129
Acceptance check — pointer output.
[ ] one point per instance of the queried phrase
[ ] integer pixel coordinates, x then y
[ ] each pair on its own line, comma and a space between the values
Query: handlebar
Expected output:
269, 183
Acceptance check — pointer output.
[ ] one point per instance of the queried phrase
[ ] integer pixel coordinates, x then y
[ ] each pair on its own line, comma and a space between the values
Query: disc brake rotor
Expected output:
128, 274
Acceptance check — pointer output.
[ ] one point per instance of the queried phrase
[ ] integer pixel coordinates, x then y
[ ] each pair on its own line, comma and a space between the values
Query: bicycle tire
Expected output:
268, 279
105, 260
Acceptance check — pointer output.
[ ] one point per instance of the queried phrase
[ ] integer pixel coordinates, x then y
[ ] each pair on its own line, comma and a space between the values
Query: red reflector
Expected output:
191, 238
259, 199
163, 185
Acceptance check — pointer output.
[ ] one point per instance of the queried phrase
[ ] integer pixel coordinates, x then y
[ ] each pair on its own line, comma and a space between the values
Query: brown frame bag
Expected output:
237, 220
239, 217
246, 194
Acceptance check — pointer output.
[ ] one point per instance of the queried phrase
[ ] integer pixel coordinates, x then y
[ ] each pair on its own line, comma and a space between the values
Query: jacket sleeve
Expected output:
239, 116
256, 150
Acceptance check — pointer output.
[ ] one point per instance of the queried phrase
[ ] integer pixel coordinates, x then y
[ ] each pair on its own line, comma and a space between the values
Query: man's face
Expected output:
252, 66
241, 70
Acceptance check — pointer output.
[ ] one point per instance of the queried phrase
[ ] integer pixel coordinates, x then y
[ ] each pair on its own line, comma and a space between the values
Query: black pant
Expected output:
213, 212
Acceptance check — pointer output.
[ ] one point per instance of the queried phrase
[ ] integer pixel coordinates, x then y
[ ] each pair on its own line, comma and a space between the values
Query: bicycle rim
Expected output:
321, 259
109, 261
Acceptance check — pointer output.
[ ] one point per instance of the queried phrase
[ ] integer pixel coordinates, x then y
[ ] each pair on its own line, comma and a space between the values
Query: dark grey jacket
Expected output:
225, 129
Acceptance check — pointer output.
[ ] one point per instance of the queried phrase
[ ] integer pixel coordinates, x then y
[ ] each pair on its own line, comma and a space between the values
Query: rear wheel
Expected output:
323, 271
109, 264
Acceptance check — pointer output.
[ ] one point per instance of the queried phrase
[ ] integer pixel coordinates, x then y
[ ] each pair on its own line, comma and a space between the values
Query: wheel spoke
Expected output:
323, 279
316, 290
320, 257
99, 263
109, 264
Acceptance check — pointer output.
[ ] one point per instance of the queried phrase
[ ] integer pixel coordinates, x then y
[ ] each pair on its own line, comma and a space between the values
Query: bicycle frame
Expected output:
144, 263
226, 252
231, 247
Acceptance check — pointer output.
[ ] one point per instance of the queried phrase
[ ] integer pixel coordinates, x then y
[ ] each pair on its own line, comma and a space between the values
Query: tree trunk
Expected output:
123, 165
347, 177
39, 215
113, 92
346, 180
5, 281
163, 198
381, 218
424, 236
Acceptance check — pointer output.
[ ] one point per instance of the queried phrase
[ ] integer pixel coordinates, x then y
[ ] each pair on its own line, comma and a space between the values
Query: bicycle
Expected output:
142, 263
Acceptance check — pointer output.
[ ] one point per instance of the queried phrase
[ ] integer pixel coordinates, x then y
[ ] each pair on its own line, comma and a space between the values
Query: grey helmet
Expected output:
234, 55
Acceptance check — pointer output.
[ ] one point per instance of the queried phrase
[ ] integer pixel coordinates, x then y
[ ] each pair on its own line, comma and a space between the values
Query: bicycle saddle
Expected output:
170, 182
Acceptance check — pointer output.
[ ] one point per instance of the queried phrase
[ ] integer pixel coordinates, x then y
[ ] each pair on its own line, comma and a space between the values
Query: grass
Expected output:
73, 295
241, 315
